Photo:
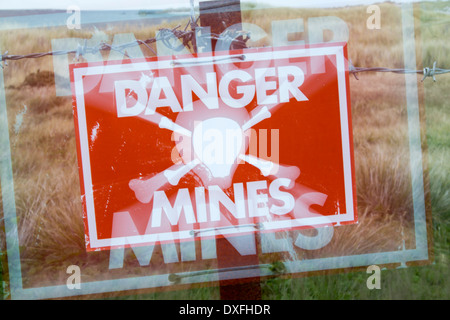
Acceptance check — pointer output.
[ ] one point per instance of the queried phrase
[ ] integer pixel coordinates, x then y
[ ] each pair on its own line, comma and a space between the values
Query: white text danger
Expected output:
269, 85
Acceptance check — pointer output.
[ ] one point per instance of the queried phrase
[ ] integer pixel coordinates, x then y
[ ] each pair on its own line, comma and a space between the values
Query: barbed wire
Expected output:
426, 72
165, 35
236, 39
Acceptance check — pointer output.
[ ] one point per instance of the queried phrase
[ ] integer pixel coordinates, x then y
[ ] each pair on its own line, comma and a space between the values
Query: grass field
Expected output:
46, 179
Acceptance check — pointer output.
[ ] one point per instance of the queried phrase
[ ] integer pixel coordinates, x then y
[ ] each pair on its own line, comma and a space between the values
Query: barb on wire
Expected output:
427, 72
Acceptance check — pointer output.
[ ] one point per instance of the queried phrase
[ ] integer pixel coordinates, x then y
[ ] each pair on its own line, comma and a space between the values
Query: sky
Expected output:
166, 4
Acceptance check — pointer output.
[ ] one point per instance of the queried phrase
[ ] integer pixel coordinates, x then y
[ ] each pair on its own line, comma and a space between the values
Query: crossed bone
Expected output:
145, 188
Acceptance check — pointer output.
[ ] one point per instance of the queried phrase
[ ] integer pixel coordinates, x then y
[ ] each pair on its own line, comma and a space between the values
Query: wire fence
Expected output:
171, 38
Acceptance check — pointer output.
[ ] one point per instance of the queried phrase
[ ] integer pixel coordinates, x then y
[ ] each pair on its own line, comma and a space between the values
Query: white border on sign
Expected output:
79, 73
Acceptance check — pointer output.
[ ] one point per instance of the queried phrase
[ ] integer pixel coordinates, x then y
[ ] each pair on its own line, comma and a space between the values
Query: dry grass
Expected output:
44, 155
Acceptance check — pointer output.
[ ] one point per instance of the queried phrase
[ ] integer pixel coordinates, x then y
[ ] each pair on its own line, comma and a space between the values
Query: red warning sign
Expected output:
181, 148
